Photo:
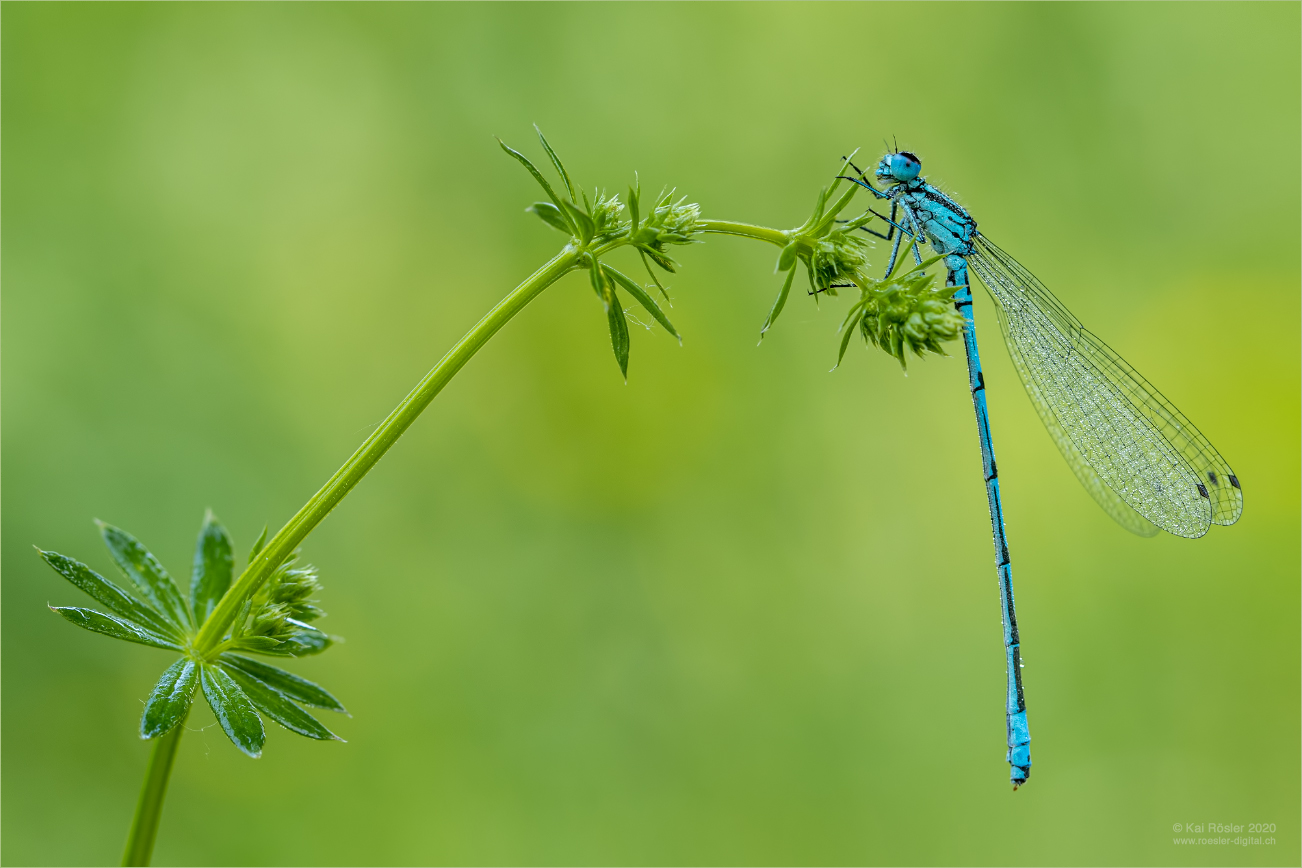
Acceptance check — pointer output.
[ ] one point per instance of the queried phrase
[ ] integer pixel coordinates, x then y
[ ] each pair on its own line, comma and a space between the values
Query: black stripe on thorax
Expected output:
931, 194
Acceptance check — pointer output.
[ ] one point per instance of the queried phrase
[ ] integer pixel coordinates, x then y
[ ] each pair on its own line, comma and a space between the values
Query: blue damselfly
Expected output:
1140, 458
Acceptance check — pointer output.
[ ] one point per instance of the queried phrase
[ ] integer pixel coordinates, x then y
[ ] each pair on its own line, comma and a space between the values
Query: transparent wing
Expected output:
1140, 458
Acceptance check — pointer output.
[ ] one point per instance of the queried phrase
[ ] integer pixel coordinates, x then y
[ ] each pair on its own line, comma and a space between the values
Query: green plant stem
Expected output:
296, 530
292, 534
745, 230
144, 827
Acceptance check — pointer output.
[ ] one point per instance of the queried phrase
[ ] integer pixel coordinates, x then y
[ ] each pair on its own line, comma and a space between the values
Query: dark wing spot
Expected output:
1234, 481
1202, 489
1211, 476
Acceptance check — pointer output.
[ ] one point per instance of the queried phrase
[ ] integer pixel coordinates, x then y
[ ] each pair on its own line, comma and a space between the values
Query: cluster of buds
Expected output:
596, 227
276, 618
668, 222
901, 313
833, 254
837, 259
605, 211
904, 314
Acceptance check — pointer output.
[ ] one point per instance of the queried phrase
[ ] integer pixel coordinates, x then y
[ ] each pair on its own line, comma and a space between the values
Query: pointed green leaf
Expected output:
619, 336
845, 342
837, 208
296, 688
537, 176
214, 561
634, 197
594, 278
862, 220
170, 702
257, 644
605, 290
111, 625
305, 641
818, 210
853, 314
257, 546
233, 710
659, 259
147, 573
279, 708
583, 225
924, 265
117, 600
787, 259
907, 247
551, 215
643, 299
779, 303
242, 616
845, 164
654, 279
556, 161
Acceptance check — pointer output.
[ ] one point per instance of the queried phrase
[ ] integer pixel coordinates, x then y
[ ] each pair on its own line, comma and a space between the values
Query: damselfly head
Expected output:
898, 168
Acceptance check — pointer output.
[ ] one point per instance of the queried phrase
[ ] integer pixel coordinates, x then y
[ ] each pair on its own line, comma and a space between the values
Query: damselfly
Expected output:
1135, 453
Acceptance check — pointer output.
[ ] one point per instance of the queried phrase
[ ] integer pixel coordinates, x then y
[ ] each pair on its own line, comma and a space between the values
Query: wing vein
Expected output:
1135, 453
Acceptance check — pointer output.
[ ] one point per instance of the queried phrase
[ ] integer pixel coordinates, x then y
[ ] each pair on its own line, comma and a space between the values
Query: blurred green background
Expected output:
736, 611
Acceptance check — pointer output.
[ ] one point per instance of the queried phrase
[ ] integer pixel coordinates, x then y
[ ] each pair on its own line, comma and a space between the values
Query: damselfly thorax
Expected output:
935, 216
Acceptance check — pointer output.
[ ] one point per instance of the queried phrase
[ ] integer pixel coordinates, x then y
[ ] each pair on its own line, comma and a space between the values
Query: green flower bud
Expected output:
838, 258
906, 314
605, 215
278, 613
668, 223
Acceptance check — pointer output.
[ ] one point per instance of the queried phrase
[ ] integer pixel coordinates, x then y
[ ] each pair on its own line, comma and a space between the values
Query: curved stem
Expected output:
144, 827
208, 642
288, 537
745, 230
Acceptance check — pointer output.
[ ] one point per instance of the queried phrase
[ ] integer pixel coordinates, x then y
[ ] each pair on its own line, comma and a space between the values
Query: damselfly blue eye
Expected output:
905, 166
